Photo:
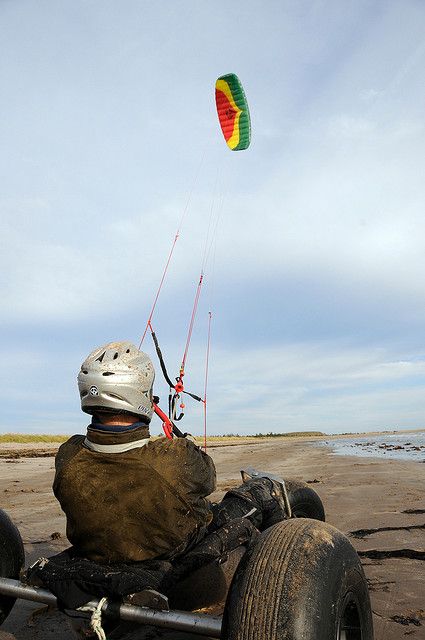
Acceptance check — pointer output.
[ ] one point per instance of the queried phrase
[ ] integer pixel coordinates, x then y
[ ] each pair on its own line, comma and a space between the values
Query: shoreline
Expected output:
13, 451
408, 446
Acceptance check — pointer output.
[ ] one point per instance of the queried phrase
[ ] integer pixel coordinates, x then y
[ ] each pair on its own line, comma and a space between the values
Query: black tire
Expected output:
12, 558
303, 579
304, 501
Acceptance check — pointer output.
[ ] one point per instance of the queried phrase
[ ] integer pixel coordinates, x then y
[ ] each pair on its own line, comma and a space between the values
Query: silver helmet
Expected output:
117, 377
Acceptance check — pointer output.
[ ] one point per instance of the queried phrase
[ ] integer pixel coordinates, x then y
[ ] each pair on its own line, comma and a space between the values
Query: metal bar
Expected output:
199, 623
16, 589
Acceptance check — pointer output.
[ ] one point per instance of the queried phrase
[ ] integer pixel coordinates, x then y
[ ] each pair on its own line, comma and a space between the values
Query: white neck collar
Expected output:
115, 448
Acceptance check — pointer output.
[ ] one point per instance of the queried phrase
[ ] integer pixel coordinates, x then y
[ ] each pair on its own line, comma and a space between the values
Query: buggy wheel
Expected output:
304, 501
12, 559
302, 580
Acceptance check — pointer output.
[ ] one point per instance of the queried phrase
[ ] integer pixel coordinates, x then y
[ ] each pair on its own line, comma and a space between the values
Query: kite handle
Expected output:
169, 427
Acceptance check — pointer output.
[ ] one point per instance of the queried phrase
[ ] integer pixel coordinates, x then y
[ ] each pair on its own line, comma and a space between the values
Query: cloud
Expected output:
315, 386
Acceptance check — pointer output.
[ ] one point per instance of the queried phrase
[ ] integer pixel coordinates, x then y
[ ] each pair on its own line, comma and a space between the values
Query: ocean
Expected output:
394, 446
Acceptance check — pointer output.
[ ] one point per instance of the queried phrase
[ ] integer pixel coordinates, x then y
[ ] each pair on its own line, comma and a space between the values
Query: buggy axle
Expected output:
199, 623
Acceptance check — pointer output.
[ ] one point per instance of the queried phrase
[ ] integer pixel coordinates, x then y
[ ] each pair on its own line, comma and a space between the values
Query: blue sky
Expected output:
315, 278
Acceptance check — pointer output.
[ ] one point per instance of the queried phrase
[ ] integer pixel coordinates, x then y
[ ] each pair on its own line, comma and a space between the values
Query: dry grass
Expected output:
235, 439
26, 438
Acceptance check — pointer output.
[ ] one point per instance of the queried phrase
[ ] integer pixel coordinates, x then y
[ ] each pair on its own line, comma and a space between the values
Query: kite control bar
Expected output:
169, 427
177, 387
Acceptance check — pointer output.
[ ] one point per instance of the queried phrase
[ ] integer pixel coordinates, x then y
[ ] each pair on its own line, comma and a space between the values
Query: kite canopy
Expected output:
233, 112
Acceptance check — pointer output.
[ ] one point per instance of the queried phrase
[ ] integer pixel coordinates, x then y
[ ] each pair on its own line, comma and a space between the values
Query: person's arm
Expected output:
202, 468
65, 453
185, 466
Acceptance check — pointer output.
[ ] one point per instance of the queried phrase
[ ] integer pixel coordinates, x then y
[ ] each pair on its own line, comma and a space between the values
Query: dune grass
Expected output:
27, 438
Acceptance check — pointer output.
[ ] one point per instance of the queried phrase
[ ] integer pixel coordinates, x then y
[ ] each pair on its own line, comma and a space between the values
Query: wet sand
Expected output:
379, 504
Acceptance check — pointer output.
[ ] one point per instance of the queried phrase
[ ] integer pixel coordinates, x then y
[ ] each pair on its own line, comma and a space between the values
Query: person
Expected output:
137, 511
130, 498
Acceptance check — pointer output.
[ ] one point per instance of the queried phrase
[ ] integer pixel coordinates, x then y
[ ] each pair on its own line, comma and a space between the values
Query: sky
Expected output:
314, 236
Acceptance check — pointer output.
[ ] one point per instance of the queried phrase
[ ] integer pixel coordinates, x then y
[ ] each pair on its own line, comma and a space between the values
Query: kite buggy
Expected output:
300, 579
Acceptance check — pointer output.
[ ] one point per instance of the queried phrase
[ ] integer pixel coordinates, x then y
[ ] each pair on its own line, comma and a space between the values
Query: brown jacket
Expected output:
133, 505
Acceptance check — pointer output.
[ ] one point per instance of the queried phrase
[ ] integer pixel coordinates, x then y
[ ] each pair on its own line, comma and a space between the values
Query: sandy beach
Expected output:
379, 504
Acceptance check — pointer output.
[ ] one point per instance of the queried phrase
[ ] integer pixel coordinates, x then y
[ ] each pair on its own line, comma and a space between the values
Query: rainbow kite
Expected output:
233, 112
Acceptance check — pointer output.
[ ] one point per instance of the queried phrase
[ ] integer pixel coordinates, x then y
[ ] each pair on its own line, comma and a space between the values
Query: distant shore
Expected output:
16, 445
